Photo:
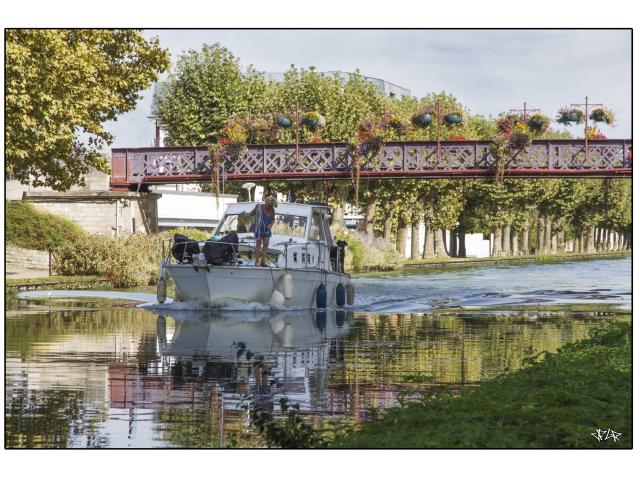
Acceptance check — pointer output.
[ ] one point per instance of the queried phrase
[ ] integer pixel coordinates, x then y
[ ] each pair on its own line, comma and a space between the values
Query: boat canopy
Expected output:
282, 208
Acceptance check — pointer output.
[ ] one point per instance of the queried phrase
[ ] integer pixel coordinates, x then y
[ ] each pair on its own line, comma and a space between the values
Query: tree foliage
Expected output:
61, 86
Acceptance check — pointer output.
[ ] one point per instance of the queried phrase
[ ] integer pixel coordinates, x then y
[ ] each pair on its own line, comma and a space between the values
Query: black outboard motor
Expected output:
184, 248
333, 254
221, 252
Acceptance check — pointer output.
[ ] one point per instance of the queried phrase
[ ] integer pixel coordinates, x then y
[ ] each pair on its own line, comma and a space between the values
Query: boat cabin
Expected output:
300, 236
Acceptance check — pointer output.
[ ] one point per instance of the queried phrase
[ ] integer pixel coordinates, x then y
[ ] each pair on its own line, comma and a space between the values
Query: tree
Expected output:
61, 86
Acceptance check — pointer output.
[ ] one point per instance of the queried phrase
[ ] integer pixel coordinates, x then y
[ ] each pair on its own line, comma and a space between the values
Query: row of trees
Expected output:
209, 90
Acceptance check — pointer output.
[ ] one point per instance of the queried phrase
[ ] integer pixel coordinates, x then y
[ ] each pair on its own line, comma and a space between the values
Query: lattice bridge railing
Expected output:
556, 158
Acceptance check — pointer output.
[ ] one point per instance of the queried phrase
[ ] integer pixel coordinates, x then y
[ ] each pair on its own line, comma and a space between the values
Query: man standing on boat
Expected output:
265, 216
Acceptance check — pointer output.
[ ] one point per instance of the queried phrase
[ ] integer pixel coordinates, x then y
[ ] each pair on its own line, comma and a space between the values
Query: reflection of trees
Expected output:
51, 418
450, 349
24, 331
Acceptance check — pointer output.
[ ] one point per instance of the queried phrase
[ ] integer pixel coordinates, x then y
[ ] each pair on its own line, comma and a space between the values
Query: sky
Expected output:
489, 71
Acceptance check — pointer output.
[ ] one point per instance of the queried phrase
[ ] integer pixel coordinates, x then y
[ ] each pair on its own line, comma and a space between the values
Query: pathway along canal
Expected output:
91, 372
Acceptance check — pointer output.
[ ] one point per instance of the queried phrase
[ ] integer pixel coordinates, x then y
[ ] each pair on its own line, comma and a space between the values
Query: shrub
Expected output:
193, 233
368, 252
29, 228
125, 261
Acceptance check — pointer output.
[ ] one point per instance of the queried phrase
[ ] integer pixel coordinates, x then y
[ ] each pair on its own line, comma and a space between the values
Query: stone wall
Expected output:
23, 258
102, 212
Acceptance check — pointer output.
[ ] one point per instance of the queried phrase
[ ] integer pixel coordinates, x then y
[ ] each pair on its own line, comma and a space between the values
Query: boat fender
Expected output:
161, 293
351, 294
321, 296
287, 285
321, 320
277, 298
341, 295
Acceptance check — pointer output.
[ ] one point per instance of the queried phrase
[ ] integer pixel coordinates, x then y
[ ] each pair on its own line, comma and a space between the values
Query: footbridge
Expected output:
136, 167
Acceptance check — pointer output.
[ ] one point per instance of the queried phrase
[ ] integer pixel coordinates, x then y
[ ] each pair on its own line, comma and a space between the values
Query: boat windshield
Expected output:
285, 225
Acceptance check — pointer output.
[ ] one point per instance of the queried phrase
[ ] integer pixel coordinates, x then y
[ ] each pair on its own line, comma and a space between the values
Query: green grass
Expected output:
556, 402
29, 228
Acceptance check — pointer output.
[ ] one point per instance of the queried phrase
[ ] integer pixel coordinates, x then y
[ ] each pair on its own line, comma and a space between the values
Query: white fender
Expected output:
287, 285
277, 298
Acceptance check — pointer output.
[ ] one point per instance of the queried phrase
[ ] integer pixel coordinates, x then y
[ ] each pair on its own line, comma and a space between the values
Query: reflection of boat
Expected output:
305, 267
200, 334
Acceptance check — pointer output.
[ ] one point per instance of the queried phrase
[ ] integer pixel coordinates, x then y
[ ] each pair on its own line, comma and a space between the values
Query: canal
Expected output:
112, 369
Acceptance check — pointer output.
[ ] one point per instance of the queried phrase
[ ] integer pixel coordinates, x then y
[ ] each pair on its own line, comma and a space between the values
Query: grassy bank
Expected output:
521, 259
557, 401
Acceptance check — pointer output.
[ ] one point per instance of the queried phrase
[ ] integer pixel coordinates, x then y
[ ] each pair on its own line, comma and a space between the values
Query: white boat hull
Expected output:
222, 284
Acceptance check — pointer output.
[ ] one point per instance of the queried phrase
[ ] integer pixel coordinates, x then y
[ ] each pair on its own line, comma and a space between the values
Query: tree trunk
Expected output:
591, 248
515, 248
453, 243
506, 239
609, 240
338, 212
462, 241
541, 229
427, 249
401, 235
577, 243
525, 238
497, 241
369, 215
440, 251
620, 241
562, 244
415, 239
388, 224
554, 243
547, 233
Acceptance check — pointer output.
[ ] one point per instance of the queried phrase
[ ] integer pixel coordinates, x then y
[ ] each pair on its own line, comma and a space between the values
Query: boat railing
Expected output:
319, 261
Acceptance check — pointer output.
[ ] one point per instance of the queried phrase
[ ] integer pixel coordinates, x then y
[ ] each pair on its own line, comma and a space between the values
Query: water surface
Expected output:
90, 372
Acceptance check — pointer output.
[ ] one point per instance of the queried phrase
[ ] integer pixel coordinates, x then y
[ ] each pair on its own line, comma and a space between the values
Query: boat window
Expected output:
285, 225
289, 225
315, 226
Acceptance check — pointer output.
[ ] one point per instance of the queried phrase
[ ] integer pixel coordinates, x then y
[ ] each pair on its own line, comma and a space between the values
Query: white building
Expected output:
182, 207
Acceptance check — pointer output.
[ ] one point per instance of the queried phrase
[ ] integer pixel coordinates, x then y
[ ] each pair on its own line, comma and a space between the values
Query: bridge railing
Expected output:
334, 160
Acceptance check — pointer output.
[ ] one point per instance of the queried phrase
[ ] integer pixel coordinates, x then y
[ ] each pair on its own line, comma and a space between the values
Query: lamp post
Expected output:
248, 186
524, 111
586, 123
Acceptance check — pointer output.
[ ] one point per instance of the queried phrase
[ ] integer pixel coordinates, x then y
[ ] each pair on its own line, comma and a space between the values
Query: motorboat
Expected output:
305, 265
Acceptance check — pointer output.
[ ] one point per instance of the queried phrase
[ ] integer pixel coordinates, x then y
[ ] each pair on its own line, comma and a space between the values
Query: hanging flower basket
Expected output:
422, 119
603, 115
453, 118
518, 141
283, 121
313, 120
538, 123
395, 122
507, 122
570, 115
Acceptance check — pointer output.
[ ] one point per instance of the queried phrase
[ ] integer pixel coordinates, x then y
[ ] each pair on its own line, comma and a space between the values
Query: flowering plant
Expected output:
507, 122
371, 138
538, 123
395, 122
568, 115
594, 134
234, 134
518, 140
313, 120
603, 115
234, 139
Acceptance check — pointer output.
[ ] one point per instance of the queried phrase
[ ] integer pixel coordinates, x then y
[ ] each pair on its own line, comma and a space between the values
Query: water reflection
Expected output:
117, 377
